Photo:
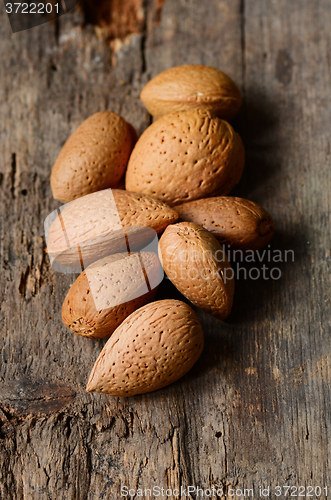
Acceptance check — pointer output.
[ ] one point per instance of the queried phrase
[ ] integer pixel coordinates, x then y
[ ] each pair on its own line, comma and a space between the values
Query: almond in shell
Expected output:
186, 156
94, 157
103, 223
239, 223
192, 86
153, 347
108, 291
196, 264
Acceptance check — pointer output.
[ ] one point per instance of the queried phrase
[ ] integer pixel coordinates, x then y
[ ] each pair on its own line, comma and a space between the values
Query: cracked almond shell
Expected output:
196, 264
237, 222
91, 227
186, 156
94, 157
108, 291
155, 346
192, 86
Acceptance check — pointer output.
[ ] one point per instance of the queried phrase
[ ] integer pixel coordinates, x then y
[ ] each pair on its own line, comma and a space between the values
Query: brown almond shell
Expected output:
186, 156
109, 282
192, 86
196, 264
95, 223
94, 157
155, 346
236, 222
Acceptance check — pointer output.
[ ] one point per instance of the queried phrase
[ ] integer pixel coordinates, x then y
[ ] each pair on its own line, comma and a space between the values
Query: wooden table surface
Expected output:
255, 410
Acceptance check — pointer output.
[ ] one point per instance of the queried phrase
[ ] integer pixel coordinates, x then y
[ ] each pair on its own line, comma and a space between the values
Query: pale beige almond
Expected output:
94, 157
192, 86
108, 291
102, 223
186, 156
152, 348
236, 222
196, 264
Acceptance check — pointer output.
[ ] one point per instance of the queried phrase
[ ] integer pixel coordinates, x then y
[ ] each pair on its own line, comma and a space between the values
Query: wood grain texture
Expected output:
255, 410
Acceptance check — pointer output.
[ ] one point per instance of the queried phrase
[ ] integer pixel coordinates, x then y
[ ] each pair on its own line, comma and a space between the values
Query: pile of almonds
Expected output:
177, 178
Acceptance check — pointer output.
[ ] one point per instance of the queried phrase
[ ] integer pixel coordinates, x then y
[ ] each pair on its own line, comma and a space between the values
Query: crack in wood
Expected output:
24, 398
22, 287
243, 45
158, 10
13, 174
57, 31
143, 45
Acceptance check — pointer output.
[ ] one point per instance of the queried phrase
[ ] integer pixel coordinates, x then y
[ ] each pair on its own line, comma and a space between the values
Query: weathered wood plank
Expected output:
255, 410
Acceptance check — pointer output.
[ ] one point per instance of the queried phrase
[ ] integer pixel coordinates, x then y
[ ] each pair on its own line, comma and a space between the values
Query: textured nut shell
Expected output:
79, 312
94, 157
186, 156
87, 221
153, 347
240, 223
189, 87
195, 263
